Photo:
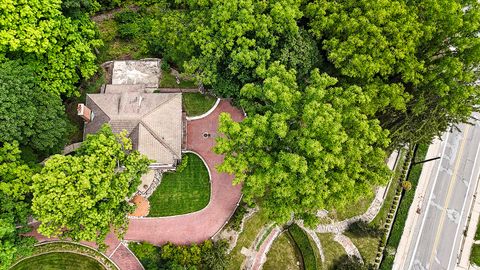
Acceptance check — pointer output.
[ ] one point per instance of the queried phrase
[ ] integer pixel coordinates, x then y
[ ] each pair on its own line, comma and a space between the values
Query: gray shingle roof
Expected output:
153, 121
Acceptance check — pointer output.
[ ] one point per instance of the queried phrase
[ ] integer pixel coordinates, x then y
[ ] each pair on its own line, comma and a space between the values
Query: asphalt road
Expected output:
438, 235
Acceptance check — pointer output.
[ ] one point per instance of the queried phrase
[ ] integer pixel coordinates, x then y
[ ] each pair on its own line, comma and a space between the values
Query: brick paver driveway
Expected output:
201, 225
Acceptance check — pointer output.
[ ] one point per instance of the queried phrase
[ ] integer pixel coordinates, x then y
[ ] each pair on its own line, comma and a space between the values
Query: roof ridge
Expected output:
160, 140
160, 105
98, 106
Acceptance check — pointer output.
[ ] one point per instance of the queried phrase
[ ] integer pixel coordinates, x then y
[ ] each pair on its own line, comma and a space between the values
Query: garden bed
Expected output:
183, 191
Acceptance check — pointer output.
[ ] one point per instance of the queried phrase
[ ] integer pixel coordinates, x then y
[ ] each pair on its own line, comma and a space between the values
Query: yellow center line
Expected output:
449, 194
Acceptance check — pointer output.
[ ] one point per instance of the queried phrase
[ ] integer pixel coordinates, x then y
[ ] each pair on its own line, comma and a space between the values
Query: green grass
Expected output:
169, 81
304, 245
115, 48
182, 192
347, 212
197, 104
367, 245
252, 227
404, 206
379, 220
477, 233
148, 254
331, 249
475, 255
58, 260
282, 255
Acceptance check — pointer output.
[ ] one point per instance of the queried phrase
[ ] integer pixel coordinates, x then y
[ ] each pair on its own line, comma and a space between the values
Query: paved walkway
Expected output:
199, 226
261, 255
190, 228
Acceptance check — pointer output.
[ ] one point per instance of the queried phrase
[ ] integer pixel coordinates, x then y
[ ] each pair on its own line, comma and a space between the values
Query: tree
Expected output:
29, 115
298, 152
239, 37
207, 255
83, 196
15, 179
60, 49
417, 68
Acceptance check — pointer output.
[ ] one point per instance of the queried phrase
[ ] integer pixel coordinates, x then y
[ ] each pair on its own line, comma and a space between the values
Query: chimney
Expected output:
84, 112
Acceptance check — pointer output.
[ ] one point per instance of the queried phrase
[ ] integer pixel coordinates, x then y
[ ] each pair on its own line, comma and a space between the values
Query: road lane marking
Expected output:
428, 202
451, 185
463, 206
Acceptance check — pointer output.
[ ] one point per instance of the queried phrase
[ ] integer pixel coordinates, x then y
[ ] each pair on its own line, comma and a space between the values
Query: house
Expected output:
153, 121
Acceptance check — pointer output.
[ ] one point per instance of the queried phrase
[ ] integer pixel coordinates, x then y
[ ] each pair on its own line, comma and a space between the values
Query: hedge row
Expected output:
301, 240
403, 208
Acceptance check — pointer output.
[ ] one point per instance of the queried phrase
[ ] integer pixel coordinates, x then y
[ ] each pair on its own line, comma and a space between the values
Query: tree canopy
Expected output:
32, 117
15, 180
59, 48
298, 152
82, 196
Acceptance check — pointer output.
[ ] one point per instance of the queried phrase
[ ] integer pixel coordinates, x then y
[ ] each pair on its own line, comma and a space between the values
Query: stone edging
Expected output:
190, 118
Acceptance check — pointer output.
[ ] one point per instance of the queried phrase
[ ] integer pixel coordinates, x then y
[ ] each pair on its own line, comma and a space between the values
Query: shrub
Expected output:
165, 66
148, 254
127, 16
183, 164
236, 219
407, 185
208, 255
128, 30
362, 228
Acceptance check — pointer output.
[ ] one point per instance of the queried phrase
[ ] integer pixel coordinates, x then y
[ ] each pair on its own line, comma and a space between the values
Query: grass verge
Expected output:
475, 255
183, 191
282, 255
367, 245
252, 227
197, 103
331, 249
403, 208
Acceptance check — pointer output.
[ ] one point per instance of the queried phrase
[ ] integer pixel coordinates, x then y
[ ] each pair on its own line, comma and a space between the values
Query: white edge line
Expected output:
463, 207
428, 202
115, 250
190, 118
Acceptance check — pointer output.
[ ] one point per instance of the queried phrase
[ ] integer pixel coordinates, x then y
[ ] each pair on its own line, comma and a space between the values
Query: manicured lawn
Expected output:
331, 249
197, 104
59, 260
252, 227
182, 192
282, 255
169, 81
475, 255
304, 244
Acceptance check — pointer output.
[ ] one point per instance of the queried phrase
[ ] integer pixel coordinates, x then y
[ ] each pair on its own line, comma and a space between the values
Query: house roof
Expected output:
152, 121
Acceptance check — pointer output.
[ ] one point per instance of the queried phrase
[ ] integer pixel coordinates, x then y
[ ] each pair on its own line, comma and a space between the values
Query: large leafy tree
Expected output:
32, 117
417, 61
59, 48
15, 180
298, 152
237, 38
82, 196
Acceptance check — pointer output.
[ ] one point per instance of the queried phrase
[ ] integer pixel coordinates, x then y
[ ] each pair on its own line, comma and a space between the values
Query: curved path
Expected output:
184, 229
199, 226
